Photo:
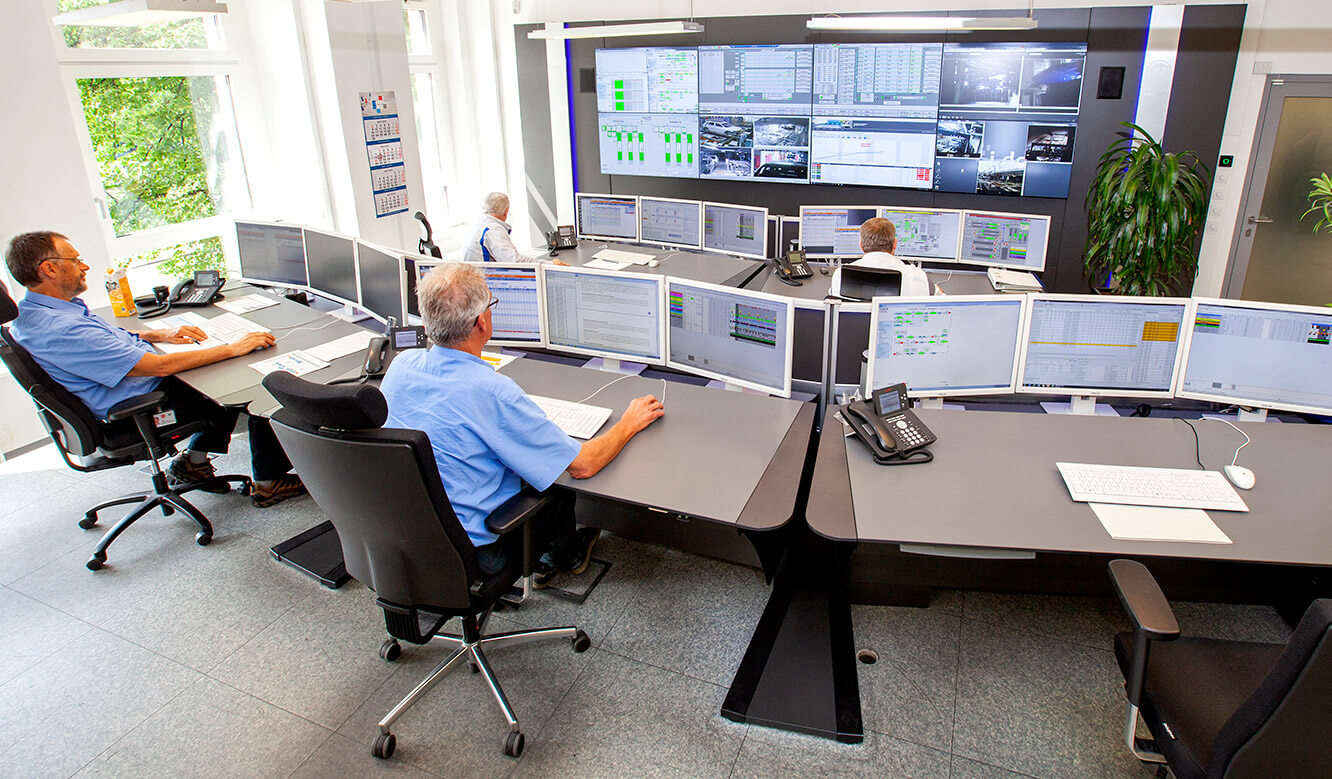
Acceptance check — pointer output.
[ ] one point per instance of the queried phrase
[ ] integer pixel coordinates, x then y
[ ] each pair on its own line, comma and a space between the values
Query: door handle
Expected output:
1261, 220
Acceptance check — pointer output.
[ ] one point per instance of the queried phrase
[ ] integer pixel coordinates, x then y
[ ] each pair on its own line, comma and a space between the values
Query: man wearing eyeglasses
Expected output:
102, 364
487, 435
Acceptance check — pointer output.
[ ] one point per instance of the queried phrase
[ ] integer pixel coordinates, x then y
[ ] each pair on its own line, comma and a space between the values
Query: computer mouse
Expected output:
653, 263
1240, 476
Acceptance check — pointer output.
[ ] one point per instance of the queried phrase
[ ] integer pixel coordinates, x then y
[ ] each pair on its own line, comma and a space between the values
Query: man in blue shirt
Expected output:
102, 364
487, 435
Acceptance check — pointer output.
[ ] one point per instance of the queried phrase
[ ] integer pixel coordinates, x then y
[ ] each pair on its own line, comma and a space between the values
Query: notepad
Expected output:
1155, 523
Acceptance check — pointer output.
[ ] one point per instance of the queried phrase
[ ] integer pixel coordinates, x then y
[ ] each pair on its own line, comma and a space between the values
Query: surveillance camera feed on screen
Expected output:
993, 118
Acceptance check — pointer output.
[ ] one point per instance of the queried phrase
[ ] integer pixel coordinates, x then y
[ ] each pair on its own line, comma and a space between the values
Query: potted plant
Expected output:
1320, 202
1145, 209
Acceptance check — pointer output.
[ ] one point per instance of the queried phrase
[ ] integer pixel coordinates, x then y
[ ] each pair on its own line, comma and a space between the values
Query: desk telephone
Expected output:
562, 237
885, 423
199, 290
380, 352
792, 267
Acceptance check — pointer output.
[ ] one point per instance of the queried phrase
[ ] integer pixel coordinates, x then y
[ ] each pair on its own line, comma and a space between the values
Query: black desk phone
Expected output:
885, 423
201, 290
792, 267
562, 237
380, 352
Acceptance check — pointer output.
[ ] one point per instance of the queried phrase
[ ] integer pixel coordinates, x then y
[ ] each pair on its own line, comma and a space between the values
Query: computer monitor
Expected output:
271, 253
668, 222
851, 342
738, 336
833, 231
1265, 355
949, 345
516, 318
738, 230
998, 240
382, 289
1102, 345
925, 233
607, 217
331, 262
606, 314
788, 235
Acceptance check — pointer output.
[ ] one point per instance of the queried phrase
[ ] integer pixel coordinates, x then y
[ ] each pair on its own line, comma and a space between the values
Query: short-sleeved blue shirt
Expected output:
488, 436
89, 356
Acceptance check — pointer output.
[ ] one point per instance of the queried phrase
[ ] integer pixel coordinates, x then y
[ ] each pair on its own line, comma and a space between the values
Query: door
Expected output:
1277, 256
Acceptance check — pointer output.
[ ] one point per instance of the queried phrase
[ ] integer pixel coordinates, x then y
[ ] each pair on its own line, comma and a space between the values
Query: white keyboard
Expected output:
579, 420
1170, 487
616, 255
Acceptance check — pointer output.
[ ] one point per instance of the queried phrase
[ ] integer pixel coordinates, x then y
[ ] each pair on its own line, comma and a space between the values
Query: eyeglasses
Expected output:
70, 259
490, 305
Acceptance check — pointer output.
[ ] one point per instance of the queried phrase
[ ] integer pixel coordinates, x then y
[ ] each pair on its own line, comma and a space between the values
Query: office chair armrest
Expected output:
127, 408
1143, 600
515, 512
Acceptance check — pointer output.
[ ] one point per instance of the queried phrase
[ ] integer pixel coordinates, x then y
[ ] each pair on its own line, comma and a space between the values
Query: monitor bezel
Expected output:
801, 221
643, 240
781, 300
1101, 392
1023, 303
402, 280
957, 252
541, 300
240, 274
703, 215
547, 268
578, 220
356, 267
1045, 247
1180, 392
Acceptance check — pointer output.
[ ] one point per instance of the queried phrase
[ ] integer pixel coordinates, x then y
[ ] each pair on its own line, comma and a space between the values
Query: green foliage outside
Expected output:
185, 34
1320, 202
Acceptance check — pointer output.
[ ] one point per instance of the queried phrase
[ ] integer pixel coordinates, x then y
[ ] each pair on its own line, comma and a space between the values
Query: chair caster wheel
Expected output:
581, 643
390, 650
203, 538
88, 522
476, 669
513, 744
247, 488
384, 746
167, 510
95, 562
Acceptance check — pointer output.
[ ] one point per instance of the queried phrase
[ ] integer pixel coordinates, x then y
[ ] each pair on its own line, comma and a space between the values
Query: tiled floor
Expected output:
178, 660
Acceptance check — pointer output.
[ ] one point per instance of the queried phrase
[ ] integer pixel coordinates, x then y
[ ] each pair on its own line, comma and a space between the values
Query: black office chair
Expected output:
1224, 708
87, 443
381, 490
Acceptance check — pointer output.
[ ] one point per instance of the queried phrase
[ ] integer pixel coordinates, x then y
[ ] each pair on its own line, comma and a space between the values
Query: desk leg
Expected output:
799, 671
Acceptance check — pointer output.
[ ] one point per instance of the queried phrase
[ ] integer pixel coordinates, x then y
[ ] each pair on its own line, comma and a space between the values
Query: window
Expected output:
427, 71
193, 33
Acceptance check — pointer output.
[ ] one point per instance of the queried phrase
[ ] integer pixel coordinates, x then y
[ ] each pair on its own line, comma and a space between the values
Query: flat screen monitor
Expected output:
677, 223
648, 144
769, 79
852, 342
738, 230
604, 313
516, 318
950, 345
382, 288
789, 231
331, 262
809, 341
271, 253
999, 240
607, 217
1265, 355
1102, 345
737, 336
833, 231
925, 233
648, 80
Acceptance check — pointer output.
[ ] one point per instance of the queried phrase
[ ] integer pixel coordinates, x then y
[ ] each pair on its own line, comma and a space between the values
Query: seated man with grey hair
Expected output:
487, 435
878, 240
491, 242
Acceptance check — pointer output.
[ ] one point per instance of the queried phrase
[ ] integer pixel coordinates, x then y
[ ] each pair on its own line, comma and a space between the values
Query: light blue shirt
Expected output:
488, 436
89, 356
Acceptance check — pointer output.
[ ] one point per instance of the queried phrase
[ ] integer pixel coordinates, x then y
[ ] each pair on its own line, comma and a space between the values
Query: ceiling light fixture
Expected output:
616, 30
920, 23
134, 13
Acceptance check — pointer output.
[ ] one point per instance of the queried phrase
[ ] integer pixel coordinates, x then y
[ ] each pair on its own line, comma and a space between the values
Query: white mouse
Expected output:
1240, 476
653, 263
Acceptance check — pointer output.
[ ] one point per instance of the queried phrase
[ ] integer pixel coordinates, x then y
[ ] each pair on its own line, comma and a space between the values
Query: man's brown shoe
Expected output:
265, 494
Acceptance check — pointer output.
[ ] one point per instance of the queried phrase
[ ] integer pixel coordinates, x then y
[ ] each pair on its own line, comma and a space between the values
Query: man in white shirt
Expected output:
491, 242
878, 240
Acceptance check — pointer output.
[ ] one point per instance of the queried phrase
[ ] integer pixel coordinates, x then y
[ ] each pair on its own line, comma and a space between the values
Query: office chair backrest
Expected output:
8, 308
1283, 728
71, 425
381, 490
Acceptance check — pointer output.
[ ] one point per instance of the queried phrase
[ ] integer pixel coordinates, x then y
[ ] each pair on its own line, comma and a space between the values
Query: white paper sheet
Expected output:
606, 264
1154, 523
297, 363
341, 347
246, 304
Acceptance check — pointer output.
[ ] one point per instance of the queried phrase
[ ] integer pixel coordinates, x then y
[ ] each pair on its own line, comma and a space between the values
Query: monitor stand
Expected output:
615, 365
349, 314
931, 402
1252, 415
1083, 405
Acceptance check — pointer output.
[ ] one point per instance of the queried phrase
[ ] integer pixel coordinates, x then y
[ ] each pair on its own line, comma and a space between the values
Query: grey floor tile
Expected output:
342, 758
1038, 705
34, 536
193, 604
456, 729
624, 718
767, 752
278, 522
64, 711
909, 693
31, 631
696, 619
34, 477
1091, 622
212, 730
1232, 621
963, 768
319, 660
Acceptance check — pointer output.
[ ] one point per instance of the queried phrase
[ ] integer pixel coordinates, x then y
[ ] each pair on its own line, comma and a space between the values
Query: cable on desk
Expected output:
1197, 445
298, 328
1234, 459
622, 378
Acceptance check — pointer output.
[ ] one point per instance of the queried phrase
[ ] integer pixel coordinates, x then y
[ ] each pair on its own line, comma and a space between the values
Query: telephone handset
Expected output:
562, 237
380, 351
792, 267
376, 356
885, 423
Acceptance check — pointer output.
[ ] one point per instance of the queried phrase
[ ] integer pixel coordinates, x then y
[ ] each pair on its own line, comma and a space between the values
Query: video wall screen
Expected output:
993, 118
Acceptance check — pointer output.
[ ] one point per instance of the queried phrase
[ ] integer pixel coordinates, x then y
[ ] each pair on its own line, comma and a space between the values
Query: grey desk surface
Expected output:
993, 485
710, 267
705, 458
967, 282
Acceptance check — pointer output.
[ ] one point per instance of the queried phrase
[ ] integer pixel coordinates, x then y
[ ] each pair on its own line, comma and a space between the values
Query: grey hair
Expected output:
451, 297
496, 204
878, 235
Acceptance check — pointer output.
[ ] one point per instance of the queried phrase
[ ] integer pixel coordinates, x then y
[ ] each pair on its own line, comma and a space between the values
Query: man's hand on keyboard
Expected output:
642, 412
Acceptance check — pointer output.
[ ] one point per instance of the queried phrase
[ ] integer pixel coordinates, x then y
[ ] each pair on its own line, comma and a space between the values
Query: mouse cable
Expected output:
1234, 459
622, 378
1197, 445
